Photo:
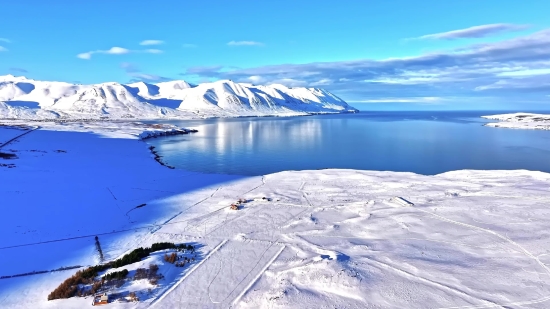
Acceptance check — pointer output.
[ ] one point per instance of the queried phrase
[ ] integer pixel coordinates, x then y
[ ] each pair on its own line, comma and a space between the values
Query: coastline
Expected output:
105, 170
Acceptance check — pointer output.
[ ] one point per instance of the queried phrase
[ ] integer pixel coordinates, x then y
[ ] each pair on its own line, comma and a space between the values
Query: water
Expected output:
421, 142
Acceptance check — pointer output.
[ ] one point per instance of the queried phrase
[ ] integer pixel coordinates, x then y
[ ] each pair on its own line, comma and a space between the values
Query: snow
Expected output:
520, 121
324, 238
22, 98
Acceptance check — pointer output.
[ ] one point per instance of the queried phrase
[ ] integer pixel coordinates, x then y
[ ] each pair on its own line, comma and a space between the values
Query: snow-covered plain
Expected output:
520, 121
327, 238
22, 98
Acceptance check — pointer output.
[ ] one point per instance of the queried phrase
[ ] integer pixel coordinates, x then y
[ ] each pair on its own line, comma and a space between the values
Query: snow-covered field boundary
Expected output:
175, 285
253, 281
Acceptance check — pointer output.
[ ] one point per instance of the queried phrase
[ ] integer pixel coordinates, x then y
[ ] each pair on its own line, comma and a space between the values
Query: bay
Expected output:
421, 142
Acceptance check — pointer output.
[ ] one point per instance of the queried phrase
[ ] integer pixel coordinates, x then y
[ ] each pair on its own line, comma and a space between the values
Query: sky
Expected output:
399, 54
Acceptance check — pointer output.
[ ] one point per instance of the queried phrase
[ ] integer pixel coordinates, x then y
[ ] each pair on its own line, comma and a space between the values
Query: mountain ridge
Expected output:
24, 98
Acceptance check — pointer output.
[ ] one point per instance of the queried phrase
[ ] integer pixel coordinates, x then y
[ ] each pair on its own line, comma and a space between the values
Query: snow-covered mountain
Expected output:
29, 99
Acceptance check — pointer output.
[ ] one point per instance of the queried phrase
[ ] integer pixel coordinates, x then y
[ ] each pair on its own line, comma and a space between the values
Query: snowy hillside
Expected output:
24, 98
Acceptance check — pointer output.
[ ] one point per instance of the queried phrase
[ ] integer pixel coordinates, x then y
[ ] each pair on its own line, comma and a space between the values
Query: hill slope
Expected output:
24, 98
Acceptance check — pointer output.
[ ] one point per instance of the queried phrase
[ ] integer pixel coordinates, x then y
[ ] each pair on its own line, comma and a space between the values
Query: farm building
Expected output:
101, 300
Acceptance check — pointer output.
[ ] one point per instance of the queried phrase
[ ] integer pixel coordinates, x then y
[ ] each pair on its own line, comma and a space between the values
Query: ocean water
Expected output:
421, 142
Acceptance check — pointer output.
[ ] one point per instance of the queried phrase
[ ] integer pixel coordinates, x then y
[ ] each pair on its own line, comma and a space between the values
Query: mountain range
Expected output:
23, 98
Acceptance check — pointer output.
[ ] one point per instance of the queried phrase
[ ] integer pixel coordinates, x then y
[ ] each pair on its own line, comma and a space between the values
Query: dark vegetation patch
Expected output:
5, 155
84, 282
116, 275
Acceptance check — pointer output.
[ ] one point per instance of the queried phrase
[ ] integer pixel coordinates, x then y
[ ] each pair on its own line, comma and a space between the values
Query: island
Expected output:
520, 121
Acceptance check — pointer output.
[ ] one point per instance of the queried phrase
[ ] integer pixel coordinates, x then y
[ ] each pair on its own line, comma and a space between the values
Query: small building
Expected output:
102, 300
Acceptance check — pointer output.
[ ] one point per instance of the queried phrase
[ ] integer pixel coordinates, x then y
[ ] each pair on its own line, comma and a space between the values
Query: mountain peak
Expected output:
10, 78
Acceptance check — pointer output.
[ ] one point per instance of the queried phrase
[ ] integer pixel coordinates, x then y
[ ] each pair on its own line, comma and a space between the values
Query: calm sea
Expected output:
420, 142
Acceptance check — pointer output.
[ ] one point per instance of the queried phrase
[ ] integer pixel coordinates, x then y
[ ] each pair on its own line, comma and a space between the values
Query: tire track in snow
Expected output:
301, 189
161, 297
434, 283
251, 284
179, 213
522, 249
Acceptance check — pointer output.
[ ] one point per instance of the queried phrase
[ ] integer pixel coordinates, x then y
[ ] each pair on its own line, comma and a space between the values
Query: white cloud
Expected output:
403, 100
151, 42
146, 76
153, 51
116, 51
289, 82
528, 72
86, 56
256, 79
322, 82
3, 49
474, 32
189, 46
245, 43
473, 71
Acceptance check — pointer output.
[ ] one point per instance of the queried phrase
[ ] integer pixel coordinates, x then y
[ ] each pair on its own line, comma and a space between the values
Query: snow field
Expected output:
327, 238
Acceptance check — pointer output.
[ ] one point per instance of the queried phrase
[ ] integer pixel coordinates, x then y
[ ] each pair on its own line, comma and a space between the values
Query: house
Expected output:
102, 300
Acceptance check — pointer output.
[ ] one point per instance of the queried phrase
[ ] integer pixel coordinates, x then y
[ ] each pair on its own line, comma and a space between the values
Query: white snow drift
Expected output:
23, 98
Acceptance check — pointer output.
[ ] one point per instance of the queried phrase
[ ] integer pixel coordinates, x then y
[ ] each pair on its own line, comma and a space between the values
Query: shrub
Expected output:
161, 246
153, 268
95, 287
116, 275
132, 257
91, 272
141, 273
171, 258
68, 288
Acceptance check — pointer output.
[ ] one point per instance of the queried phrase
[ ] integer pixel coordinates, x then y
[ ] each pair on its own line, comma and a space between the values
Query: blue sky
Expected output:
400, 53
